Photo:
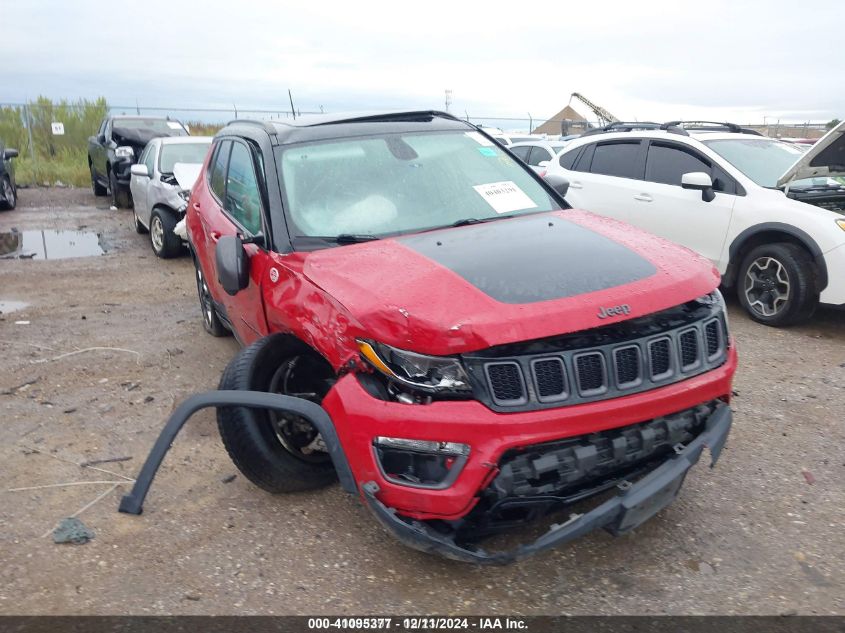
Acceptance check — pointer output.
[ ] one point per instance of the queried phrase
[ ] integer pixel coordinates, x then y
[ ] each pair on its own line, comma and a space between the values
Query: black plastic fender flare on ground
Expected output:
133, 502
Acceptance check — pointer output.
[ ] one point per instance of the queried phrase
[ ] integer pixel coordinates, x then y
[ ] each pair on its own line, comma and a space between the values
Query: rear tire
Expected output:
119, 195
8, 195
165, 243
210, 319
776, 284
96, 187
256, 439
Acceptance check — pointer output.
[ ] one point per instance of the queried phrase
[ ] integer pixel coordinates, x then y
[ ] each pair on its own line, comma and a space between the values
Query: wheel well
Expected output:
293, 345
742, 246
163, 207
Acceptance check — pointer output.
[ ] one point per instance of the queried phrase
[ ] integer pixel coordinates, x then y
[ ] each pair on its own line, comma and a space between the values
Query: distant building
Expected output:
575, 122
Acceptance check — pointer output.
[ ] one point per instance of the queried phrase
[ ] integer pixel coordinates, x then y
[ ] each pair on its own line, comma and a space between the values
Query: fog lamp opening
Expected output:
420, 463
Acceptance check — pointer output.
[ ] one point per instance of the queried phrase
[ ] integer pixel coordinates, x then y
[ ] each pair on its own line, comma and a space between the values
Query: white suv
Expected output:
769, 215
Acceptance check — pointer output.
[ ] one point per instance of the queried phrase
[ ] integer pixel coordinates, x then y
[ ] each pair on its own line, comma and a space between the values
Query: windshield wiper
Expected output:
354, 238
466, 221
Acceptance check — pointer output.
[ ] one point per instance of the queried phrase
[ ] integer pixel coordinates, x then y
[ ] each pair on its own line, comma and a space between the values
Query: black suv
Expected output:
8, 186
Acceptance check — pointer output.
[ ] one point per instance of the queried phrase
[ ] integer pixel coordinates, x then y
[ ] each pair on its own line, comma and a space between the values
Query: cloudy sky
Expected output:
641, 60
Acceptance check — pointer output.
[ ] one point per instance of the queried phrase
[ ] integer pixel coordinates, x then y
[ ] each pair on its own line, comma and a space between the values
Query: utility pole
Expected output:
448, 99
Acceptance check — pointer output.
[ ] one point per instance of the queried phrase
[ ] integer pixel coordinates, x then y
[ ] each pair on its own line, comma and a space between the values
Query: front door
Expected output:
236, 208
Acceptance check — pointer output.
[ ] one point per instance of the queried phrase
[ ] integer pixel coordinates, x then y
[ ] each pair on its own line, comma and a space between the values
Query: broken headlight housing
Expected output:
430, 374
124, 151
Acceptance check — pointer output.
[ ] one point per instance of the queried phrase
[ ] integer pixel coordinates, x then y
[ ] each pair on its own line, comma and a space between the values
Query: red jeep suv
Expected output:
468, 353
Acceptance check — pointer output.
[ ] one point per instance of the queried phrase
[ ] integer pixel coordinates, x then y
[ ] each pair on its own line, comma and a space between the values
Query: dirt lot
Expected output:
762, 533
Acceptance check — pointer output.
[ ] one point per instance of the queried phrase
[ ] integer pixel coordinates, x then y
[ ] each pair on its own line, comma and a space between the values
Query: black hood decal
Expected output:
532, 258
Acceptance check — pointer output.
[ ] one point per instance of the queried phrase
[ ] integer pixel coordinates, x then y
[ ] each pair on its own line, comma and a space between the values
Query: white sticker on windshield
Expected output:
505, 196
478, 138
173, 125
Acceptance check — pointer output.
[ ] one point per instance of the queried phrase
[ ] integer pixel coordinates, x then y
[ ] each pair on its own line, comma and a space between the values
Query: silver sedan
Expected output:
161, 183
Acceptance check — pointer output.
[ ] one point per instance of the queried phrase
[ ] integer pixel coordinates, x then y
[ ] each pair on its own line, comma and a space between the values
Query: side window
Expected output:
243, 196
586, 157
667, 163
149, 158
522, 152
217, 170
538, 155
567, 159
617, 159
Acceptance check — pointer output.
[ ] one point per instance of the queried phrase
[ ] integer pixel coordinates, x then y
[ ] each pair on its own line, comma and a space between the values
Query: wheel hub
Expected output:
767, 286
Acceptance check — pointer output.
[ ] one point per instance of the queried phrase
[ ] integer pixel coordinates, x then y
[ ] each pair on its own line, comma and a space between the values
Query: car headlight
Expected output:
124, 151
716, 298
432, 374
841, 224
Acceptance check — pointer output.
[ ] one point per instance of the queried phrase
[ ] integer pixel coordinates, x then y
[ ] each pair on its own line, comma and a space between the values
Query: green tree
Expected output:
832, 124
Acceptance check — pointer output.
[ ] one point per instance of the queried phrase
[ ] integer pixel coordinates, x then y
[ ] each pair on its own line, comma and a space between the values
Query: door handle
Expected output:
214, 235
643, 197
575, 185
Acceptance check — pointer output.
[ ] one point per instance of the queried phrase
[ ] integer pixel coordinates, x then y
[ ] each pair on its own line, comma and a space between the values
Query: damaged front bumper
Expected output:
635, 504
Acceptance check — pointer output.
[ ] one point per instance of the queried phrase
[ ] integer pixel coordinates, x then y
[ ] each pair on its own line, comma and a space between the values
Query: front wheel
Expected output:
166, 244
279, 452
776, 284
119, 195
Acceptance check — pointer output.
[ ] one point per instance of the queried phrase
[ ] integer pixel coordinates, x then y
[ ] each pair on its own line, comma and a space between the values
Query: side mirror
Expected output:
699, 181
232, 264
10, 153
101, 138
558, 183
139, 170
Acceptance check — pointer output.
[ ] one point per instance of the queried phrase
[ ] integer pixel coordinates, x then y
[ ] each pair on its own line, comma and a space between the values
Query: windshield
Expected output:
401, 183
173, 153
762, 160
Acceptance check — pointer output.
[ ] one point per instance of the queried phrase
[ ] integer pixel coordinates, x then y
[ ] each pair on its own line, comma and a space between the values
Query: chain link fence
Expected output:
52, 137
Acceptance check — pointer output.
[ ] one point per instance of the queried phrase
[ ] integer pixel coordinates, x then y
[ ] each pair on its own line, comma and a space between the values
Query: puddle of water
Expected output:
49, 244
11, 306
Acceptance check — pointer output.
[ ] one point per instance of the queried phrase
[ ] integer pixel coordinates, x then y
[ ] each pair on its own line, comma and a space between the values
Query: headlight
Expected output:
841, 224
716, 298
432, 374
124, 151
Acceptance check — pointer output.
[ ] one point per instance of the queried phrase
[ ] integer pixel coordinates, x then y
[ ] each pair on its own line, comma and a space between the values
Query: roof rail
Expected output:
631, 126
400, 115
710, 126
265, 125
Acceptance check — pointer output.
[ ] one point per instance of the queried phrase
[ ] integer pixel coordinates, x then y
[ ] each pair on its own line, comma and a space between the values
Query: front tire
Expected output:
277, 452
777, 284
165, 243
8, 195
119, 195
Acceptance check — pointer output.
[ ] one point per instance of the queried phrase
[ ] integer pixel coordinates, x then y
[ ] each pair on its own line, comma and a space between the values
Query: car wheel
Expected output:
777, 284
119, 195
8, 194
166, 244
136, 223
96, 187
210, 319
279, 452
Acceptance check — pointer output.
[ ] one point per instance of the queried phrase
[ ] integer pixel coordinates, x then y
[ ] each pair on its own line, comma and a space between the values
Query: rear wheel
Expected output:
166, 244
777, 285
279, 452
210, 319
96, 187
8, 195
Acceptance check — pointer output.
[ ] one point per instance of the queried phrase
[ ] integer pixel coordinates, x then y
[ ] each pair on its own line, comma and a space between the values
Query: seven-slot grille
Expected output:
606, 371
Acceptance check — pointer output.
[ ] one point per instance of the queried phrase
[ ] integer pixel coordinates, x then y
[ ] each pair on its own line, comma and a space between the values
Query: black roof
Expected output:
337, 125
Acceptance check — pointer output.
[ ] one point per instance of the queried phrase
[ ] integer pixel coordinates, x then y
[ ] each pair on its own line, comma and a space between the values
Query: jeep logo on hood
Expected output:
613, 311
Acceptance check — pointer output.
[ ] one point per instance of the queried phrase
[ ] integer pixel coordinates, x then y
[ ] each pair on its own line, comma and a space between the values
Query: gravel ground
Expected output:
763, 533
